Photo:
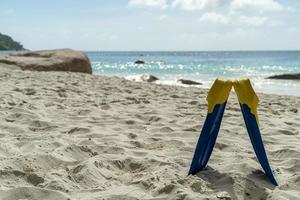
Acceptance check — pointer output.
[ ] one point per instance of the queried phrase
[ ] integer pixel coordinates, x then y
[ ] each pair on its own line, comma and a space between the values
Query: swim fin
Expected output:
217, 99
248, 101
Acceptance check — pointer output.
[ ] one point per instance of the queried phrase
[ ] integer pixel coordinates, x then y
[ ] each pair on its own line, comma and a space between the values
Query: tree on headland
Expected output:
7, 43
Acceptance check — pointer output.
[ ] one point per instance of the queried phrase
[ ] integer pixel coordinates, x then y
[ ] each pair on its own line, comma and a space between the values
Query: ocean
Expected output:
204, 67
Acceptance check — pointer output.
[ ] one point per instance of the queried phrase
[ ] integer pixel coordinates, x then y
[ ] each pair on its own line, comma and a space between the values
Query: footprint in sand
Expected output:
289, 132
78, 130
29, 91
132, 135
38, 125
130, 122
166, 129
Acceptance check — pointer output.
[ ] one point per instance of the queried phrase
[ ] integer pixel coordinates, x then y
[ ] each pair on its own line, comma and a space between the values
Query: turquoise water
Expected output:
205, 67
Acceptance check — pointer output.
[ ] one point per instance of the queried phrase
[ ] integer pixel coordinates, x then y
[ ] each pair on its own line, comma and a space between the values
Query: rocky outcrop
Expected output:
50, 60
286, 76
149, 78
139, 62
188, 82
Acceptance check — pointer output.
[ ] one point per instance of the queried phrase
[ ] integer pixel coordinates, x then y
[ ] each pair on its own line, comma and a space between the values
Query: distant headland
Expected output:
7, 43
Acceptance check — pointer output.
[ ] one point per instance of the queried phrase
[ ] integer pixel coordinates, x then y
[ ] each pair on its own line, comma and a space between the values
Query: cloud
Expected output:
230, 5
258, 5
215, 5
148, 3
197, 4
214, 18
226, 12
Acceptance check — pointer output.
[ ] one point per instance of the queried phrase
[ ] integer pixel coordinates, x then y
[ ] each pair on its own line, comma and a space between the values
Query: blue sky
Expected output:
153, 24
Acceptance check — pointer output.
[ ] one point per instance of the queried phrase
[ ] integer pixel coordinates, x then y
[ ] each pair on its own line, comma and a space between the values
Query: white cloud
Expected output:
232, 5
258, 5
196, 4
214, 18
215, 5
226, 12
148, 3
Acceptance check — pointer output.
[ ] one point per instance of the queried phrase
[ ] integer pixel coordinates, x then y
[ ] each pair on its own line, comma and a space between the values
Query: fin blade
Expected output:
248, 102
217, 99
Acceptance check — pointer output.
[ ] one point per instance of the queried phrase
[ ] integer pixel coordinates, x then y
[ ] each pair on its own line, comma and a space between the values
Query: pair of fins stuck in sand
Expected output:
217, 99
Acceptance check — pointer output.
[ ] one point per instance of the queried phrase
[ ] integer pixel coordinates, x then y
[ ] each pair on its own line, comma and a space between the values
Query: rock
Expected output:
50, 60
286, 76
139, 62
223, 195
148, 78
189, 82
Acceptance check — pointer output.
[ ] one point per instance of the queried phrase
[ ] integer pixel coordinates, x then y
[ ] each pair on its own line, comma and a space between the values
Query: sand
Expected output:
79, 136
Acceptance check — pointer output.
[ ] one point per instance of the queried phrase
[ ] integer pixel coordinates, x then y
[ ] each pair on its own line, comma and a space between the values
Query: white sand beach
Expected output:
85, 137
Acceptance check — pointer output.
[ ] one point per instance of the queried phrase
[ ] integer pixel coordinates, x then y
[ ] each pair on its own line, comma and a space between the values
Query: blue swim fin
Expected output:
217, 99
248, 101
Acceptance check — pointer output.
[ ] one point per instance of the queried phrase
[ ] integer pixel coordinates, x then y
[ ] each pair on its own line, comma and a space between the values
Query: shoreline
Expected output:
206, 85
260, 82
80, 136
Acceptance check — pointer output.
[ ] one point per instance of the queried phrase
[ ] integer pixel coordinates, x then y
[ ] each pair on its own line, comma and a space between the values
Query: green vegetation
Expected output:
7, 43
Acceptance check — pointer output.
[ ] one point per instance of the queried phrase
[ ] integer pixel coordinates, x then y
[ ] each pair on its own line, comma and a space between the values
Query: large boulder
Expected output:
50, 60
286, 76
139, 62
188, 82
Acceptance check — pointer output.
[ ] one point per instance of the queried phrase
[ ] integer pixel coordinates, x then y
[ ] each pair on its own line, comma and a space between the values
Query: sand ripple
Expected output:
77, 136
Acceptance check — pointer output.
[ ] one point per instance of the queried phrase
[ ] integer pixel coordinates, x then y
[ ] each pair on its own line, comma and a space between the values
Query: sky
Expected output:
128, 25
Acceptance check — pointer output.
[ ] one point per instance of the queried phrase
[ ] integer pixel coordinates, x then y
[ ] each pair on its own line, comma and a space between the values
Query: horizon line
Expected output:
225, 50
233, 50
